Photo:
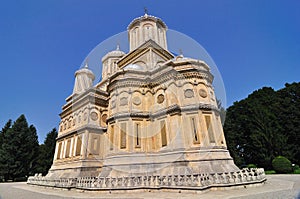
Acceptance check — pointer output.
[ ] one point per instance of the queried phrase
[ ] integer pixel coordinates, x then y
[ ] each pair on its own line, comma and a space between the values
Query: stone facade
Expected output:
152, 117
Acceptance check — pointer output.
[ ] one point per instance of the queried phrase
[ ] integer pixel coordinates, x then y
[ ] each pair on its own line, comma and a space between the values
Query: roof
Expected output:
144, 18
114, 53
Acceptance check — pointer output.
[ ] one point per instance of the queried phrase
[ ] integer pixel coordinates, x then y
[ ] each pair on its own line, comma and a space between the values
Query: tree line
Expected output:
21, 155
265, 125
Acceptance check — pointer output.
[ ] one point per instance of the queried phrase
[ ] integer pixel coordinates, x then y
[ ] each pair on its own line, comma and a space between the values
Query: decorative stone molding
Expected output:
113, 104
195, 181
84, 116
173, 109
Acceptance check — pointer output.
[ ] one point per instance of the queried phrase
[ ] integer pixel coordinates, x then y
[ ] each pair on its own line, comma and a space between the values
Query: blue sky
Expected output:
254, 43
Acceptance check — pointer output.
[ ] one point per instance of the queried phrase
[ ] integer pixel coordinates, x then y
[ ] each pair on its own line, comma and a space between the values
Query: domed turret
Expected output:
109, 62
84, 78
147, 27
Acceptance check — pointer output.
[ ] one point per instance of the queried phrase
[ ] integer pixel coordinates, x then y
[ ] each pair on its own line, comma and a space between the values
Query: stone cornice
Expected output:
153, 79
171, 110
93, 95
89, 127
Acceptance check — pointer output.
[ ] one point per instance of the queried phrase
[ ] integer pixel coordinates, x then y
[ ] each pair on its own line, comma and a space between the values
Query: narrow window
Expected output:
195, 133
68, 148
163, 133
111, 137
78, 146
138, 135
123, 136
58, 151
209, 129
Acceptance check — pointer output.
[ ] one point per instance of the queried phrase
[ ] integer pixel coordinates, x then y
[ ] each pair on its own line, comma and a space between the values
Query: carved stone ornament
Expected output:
136, 101
189, 93
160, 98
123, 101
113, 104
202, 93
94, 116
84, 117
104, 117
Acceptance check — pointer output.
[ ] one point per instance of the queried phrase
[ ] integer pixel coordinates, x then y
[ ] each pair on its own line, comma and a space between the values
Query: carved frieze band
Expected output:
173, 109
158, 80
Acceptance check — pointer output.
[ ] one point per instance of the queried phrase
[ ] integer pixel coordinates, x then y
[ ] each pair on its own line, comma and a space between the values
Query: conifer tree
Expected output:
19, 150
3, 133
46, 153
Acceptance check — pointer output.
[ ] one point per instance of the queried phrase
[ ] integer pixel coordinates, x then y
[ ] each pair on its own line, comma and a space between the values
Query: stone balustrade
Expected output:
184, 181
44, 181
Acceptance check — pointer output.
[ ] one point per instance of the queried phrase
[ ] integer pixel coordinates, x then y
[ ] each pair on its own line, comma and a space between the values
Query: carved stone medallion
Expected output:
160, 98
136, 101
104, 117
189, 93
202, 93
113, 104
123, 101
94, 116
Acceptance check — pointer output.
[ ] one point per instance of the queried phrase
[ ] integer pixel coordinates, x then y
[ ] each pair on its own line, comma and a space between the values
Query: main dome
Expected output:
144, 28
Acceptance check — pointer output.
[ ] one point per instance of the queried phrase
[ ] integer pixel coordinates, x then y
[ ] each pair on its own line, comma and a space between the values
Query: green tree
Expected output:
289, 119
3, 131
256, 129
46, 153
19, 150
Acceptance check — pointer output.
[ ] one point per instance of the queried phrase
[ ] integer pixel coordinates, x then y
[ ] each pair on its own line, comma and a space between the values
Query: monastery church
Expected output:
153, 114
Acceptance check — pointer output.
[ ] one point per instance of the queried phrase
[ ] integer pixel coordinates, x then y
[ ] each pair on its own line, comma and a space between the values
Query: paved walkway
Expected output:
277, 186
